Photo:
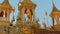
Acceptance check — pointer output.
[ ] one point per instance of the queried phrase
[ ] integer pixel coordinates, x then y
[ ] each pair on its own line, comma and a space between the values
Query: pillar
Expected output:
34, 19
57, 19
53, 23
22, 14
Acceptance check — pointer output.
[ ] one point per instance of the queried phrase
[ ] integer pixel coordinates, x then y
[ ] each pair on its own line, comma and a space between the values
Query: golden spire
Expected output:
5, 0
6, 4
27, 1
54, 7
19, 0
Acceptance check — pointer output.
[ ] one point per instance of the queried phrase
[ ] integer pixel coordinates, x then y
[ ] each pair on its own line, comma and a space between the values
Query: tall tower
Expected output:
55, 15
26, 16
5, 10
26, 7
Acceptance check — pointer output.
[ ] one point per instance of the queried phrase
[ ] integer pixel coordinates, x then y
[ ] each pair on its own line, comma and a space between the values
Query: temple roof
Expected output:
54, 10
6, 4
28, 3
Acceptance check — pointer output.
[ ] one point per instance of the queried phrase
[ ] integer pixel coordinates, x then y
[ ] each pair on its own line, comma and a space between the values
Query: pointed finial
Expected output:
54, 7
26, 0
14, 9
46, 13
19, 4
19, 0
53, 3
5, 0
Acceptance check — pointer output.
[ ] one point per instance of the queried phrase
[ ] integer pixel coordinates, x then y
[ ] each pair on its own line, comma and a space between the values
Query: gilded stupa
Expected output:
55, 15
5, 11
30, 24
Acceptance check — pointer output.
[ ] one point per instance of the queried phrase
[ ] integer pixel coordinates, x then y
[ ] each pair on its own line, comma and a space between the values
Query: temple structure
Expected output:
5, 10
55, 15
26, 21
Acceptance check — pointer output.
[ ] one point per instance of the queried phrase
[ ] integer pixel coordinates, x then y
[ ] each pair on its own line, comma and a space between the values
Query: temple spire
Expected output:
27, 1
54, 7
19, 0
6, 2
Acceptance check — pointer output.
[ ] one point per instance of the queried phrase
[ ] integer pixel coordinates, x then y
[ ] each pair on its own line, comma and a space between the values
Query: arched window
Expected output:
29, 13
2, 13
28, 10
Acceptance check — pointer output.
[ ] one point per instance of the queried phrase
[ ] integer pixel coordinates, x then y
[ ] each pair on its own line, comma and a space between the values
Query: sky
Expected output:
42, 7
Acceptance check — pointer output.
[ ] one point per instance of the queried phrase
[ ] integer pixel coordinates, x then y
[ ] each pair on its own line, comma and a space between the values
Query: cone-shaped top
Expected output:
27, 1
54, 10
6, 3
54, 7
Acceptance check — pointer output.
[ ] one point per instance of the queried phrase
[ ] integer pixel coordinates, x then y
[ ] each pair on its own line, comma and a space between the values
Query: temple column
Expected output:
53, 21
8, 15
33, 15
57, 19
21, 15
